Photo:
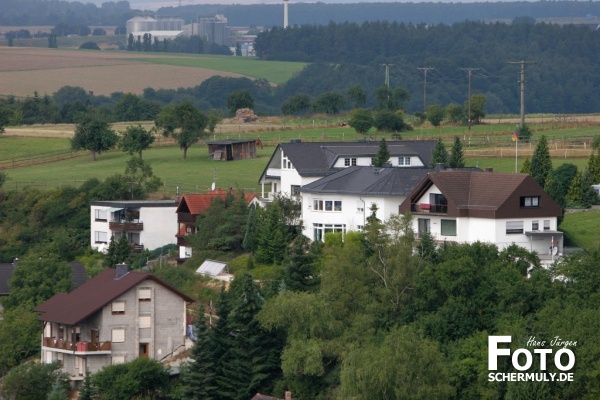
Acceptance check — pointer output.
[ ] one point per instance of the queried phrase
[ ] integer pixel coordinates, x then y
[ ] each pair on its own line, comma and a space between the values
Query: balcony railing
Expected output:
76, 346
429, 208
126, 226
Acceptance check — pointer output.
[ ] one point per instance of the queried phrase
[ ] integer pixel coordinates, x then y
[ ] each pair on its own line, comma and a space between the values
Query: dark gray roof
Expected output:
231, 141
369, 181
318, 158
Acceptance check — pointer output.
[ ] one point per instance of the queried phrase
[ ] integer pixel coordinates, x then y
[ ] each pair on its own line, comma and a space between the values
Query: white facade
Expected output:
148, 225
323, 213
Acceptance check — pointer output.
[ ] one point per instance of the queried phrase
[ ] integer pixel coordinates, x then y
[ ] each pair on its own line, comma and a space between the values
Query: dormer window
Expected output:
530, 201
404, 161
349, 161
287, 164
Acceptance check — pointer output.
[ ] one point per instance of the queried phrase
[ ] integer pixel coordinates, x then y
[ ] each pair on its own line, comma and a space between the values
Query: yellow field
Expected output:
24, 70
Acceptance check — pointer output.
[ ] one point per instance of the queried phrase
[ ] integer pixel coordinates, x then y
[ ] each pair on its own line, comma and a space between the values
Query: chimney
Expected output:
122, 270
439, 167
288, 395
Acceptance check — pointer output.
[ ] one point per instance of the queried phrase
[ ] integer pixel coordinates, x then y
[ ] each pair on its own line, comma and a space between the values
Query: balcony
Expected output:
425, 208
79, 347
127, 226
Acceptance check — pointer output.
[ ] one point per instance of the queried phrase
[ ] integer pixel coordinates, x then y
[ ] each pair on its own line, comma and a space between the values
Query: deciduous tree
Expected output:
94, 134
361, 120
184, 123
136, 139
239, 99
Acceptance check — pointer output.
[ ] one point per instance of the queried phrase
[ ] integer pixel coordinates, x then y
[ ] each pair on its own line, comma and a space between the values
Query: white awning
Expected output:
112, 209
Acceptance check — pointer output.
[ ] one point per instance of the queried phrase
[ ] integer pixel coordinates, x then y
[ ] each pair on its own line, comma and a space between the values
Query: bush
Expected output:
89, 46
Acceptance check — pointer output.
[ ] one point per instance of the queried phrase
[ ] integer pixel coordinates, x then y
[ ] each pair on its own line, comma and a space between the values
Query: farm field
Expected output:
25, 70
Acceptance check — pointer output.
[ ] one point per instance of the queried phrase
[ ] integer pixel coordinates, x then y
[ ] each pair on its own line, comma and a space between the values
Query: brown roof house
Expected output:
113, 318
499, 208
191, 206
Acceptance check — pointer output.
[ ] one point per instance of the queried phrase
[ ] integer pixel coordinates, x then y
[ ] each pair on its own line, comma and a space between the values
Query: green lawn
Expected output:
13, 147
581, 229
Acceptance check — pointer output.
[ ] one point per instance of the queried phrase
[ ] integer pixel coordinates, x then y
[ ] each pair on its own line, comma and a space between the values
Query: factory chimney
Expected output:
285, 14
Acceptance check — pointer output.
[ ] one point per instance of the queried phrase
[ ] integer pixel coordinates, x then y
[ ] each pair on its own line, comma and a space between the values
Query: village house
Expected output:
500, 208
296, 164
113, 318
148, 224
189, 209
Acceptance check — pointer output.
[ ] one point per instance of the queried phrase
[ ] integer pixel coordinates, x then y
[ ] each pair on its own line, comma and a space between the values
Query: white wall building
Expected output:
147, 224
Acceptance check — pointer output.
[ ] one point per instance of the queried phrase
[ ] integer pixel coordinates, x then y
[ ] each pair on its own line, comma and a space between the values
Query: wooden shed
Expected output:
232, 149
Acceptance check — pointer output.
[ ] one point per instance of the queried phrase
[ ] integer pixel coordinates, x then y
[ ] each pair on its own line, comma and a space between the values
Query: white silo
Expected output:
285, 14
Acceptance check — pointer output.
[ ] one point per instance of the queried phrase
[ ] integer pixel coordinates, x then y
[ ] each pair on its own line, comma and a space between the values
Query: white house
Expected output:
500, 208
148, 224
342, 201
297, 164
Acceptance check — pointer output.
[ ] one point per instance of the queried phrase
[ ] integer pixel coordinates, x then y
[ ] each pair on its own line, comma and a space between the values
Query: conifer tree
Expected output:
541, 164
457, 159
574, 193
593, 166
301, 267
526, 168
440, 154
383, 155
588, 195
249, 242
272, 235
426, 248
87, 391
555, 190
199, 377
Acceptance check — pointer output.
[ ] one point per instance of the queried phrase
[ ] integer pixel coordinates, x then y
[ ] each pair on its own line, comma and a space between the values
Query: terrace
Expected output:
78, 347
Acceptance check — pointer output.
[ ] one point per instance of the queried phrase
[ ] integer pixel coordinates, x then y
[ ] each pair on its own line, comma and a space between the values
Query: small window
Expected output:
535, 225
337, 205
118, 307
404, 160
448, 227
145, 294
360, 228
100, 237
118, 336
145, 322
101, 215
514, 227
530, 201
318, 205
295, 190
346, 162
546, 224
60, 357
329, 205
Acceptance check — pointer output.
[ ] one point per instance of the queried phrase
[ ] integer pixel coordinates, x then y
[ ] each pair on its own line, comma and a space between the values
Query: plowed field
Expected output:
24, 70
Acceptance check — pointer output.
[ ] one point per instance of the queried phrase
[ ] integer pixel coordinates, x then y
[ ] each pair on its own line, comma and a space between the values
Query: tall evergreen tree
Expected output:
457, 159
593, 166
588, 195
541, 163
526, 167
426, 248
574, 192
87, 391
383, 155
272, 235
249, 242
199, 377
301, 268
440, 154
555, 190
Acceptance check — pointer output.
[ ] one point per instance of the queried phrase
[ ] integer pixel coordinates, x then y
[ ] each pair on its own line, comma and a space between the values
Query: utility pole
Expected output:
425, 69
522, 82
387, 74
470, 72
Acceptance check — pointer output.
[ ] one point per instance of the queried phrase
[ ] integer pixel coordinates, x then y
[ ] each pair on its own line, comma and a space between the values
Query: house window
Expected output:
448, 227
546, 224
514, 227
61, 358
423, 225
530, 201
535, 225
360, 228
101, 215
318, 205
118, 307
295, 190
439, 203
118, 335
145, 294
327, 205
100, 237
404, 160
287, 164
145, 322
320, 230
349, 161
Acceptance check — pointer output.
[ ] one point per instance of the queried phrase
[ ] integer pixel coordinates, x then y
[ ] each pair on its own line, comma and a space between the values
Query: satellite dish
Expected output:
554, 250
212, 187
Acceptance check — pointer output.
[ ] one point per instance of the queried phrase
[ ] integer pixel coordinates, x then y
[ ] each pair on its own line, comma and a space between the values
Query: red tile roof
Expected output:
89, 298
198, 202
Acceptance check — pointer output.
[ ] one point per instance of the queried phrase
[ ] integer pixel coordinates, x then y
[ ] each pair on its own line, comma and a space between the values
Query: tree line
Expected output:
346, 54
